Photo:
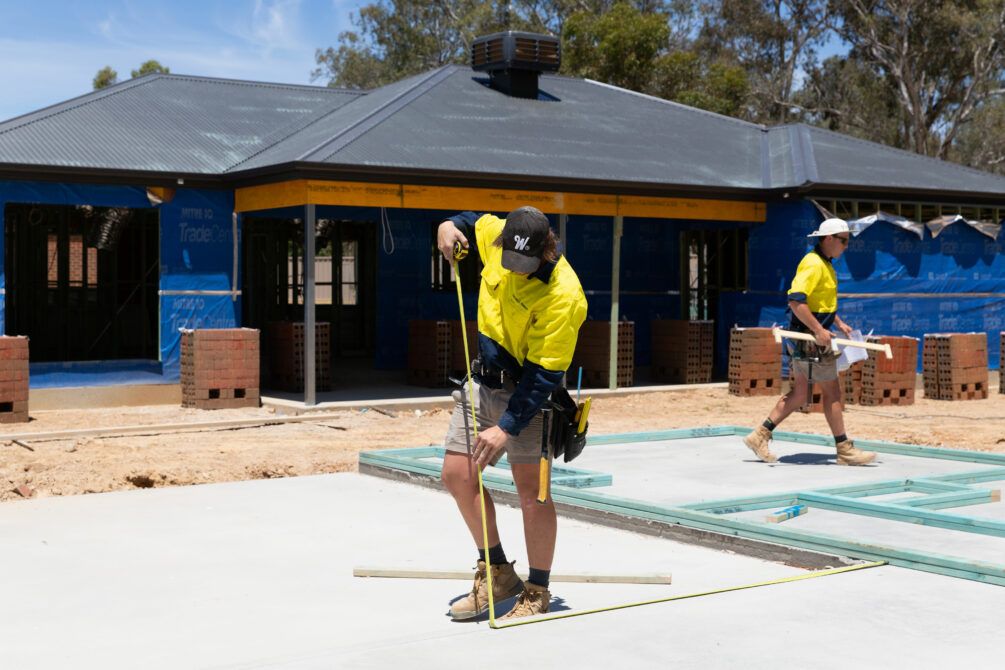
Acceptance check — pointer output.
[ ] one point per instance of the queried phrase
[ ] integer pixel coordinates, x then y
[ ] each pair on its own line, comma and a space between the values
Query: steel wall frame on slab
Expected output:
713, 515
562, 475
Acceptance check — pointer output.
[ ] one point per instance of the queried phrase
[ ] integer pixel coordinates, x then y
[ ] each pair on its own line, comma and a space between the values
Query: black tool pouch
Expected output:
566, 440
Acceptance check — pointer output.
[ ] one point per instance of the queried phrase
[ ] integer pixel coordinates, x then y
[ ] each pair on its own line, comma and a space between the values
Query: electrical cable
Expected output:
385, 231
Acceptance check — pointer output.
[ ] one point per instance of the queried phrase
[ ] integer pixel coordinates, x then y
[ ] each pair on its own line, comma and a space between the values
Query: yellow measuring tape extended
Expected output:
566, 615
459, 253
795, 578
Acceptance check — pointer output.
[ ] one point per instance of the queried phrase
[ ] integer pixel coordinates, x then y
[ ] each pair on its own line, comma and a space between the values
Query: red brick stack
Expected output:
220, 368
286, 349
458, 365
682, 351
955, 366
890, 381
755, 362
13, 379
429, 352
851, 383
593, 354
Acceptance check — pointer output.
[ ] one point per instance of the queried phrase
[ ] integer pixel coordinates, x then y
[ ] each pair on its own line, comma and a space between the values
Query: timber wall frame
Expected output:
301, 192
572, 487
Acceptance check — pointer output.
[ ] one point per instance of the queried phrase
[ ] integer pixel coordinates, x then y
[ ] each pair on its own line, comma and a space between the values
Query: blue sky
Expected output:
50, 50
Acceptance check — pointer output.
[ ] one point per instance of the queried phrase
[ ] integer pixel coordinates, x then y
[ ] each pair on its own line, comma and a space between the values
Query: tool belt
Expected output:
807, 351
492, 377
564, 432
565, 435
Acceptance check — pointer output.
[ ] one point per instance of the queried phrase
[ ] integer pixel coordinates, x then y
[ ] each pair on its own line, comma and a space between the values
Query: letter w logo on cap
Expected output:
520, 243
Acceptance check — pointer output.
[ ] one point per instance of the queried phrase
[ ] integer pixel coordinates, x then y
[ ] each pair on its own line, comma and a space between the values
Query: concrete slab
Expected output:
258, 575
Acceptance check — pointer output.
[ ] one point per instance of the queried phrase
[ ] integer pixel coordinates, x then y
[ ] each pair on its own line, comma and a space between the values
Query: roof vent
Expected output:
515, 60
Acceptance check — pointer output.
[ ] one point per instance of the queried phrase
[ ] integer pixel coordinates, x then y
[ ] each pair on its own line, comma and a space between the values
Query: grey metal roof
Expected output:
165, 123
841, 159
450, 120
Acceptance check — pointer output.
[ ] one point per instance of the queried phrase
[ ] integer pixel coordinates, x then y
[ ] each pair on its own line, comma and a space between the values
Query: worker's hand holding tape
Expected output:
488, 443
447, 239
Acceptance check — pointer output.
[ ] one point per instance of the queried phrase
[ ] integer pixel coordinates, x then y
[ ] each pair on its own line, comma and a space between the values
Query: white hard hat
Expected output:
830, 227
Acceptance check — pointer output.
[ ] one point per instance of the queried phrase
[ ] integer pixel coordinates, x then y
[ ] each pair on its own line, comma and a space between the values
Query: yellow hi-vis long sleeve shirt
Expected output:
527, 325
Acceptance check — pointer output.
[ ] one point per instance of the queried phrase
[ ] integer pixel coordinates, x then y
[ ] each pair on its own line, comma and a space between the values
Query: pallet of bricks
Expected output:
593, 350
955, 366
285, 350
755, 362
13, 379
682, 351
851, 381
890, 381
220, 368
436, 351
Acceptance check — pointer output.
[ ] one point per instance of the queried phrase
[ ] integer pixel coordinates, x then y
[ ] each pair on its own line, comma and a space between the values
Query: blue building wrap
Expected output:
889, 281
197, 269
200, 241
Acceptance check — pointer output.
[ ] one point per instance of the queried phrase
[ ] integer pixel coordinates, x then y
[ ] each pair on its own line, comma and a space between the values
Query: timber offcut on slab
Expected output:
580, 577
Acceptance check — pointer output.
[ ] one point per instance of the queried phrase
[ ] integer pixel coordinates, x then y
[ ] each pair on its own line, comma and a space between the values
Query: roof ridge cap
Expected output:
749, 124
82, 100
305, 126
378, 116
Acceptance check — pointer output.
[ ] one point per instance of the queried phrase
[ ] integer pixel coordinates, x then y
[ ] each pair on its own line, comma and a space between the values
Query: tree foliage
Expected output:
942, 59
106, 77
846, 95
149, 67
629, 48
771, 40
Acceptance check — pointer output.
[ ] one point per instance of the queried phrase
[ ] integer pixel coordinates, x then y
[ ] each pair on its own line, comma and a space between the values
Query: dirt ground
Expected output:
106, 463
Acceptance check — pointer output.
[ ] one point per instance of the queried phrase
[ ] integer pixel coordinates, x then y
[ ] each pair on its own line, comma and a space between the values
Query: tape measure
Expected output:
460, 253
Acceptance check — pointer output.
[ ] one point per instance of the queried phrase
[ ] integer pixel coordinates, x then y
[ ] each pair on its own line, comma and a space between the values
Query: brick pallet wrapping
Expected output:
755, 362
955, 366
13, 379
593, 354
682, 351
890, 381
436, 351
285, 350
220, 368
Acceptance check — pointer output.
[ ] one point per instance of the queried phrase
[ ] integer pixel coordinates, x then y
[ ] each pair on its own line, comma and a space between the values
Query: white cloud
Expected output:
276, 24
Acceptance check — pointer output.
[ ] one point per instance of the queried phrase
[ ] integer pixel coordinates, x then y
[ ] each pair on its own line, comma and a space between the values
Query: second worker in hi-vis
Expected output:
813, 303
530, 308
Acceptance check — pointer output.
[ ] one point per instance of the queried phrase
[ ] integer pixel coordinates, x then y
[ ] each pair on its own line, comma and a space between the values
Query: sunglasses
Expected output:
844, 240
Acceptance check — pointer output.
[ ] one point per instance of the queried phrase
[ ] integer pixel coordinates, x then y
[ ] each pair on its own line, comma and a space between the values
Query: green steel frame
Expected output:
930, 493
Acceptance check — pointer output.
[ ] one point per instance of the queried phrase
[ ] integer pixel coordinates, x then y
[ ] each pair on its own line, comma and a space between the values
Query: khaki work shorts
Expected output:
490, 404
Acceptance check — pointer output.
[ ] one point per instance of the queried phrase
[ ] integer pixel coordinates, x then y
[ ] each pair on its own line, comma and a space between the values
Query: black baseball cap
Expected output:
524, 238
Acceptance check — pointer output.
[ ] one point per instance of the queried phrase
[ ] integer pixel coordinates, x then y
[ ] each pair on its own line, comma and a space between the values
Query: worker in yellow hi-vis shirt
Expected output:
813, 303
530, 308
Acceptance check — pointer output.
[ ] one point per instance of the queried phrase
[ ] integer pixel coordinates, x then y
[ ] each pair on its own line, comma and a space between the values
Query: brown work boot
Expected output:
534, 600
847, 454
505, 585
757, 440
